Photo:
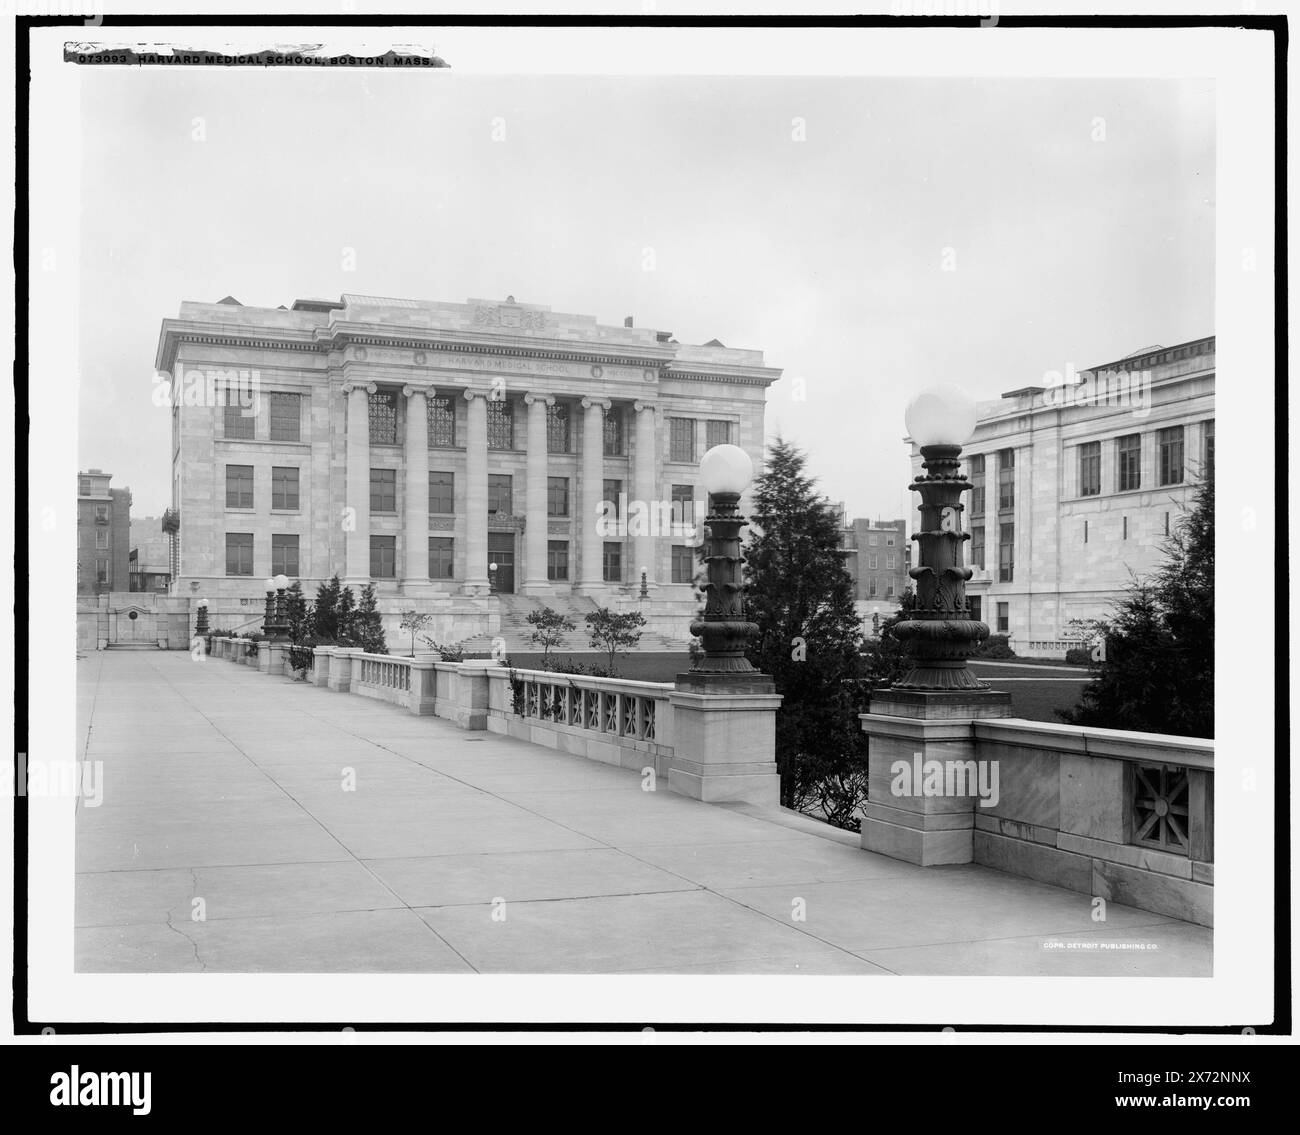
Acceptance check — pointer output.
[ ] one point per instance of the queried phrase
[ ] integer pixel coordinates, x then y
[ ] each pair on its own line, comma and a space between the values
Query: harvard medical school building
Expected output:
415, 443
1076, 485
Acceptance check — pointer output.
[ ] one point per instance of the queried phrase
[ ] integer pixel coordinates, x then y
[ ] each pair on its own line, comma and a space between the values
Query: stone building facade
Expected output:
103, 534
417, 444
1077, 485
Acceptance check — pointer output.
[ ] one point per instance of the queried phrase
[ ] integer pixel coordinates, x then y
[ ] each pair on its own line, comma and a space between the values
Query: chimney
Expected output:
627, 321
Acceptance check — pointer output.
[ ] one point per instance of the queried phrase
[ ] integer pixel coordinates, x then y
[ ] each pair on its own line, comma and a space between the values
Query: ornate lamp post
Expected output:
940, 634
276, 624
492, 578
724, 632
201, 624
645, 590
268, 619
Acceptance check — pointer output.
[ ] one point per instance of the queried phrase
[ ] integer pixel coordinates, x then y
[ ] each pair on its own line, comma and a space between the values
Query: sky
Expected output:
815, 219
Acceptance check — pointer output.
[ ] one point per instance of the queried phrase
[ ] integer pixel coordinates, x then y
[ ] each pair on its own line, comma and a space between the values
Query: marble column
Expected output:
476, 495
415, 532
535, 581
591, 576
356, 515
645, 474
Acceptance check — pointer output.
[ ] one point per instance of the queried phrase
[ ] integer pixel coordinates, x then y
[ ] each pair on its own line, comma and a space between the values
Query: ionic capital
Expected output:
589, 402
410, 391
639, 406
368, 387
545, 399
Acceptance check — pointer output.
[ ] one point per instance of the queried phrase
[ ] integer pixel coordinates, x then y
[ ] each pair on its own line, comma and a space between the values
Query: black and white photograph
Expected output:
725, 510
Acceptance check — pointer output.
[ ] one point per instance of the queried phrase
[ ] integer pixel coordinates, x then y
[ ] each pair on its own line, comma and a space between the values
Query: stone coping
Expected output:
1118, 744
658, 690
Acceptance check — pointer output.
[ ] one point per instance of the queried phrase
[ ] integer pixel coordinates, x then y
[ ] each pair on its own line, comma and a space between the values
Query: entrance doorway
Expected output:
501, 551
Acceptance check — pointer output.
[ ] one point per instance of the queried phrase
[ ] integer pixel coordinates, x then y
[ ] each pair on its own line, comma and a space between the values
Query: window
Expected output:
683, 504
716, 432
890, 561
500, 424
873, 539
871, 591
1090, 469
889, 541
613, 563
557, 559
615, 432
383, 557
84, 487
442, 421
1004, 618
284, 554
1006, 552
977, 465
284, 487
557, 497
442, 555
1207, 451
239, 421
500, 494
613, 490
101, 537
873, 561
976, 604
557, 428
101, 571
442, 491
1006, 479
683, 563
239, 486
1170, 445
1129, 449
239, 553
286, 417
977, 546
889, 591
383, 490
101, 514
383, 417
681, 439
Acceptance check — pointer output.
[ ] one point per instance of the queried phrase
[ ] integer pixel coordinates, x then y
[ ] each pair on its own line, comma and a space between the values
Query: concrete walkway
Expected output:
224, 795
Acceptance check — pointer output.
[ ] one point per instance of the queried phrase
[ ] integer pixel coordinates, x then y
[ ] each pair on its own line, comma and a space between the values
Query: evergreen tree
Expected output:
345, 618
295, 612
1155, 671
369, 623
324, 614
801, 596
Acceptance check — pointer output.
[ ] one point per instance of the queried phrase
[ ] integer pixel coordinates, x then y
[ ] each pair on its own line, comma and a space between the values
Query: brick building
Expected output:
103, 534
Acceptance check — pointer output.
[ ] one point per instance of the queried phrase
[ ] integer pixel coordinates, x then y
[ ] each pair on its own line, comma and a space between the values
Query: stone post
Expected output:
535, 581
320, 671
424, 687
914, 810
724, 746
340, 679
357, 485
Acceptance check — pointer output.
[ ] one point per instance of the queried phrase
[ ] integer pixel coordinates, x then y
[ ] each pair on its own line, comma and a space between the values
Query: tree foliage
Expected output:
368, 624
800, 594
549, 628
1154, 672
413, 622
614, 632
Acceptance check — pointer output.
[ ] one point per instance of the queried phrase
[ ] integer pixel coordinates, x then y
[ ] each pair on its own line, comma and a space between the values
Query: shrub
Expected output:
995, 646
1079, 656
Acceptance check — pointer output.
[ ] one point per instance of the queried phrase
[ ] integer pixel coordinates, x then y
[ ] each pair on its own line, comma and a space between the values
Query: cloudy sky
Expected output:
1079, 215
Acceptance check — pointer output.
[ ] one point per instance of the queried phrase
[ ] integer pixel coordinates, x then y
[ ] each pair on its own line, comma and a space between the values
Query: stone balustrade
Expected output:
624, 723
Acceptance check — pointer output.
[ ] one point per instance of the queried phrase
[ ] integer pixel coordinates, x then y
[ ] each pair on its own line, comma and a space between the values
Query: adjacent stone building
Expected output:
451, 453
150, 555
877, 555
103, 534
1077, 484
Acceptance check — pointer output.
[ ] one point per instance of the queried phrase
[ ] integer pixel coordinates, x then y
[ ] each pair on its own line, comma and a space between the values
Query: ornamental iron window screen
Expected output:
558, 435
615, 432
383, 417
442, 421
500, 424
